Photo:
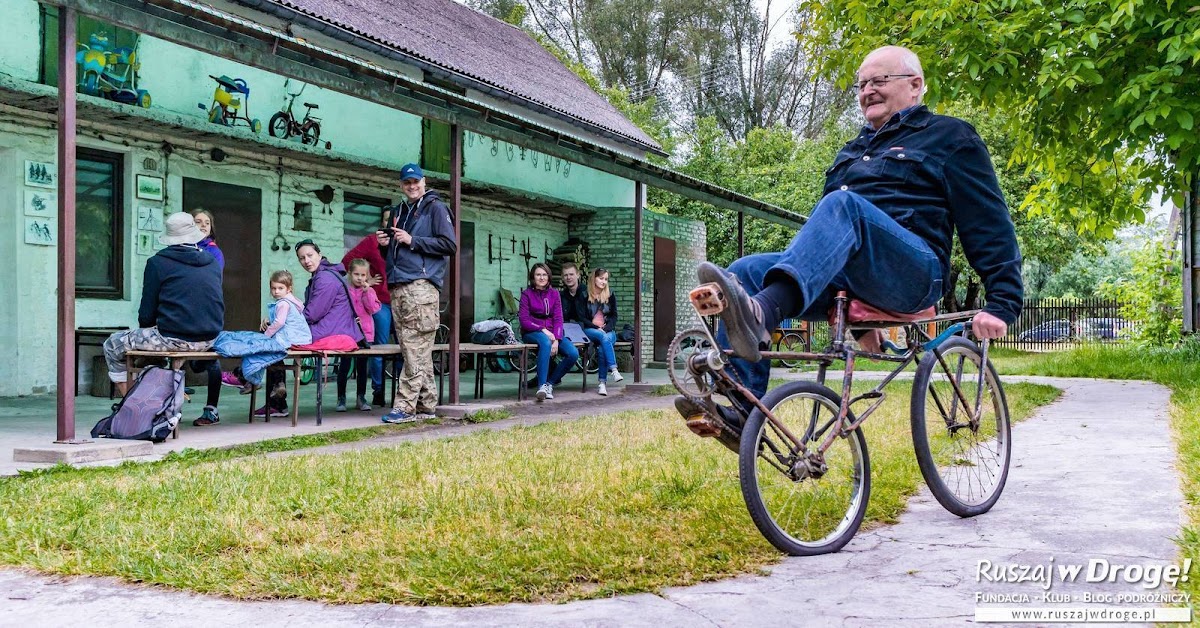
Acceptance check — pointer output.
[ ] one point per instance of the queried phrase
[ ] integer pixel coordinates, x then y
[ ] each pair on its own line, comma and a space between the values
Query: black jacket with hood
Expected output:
181, 294
427, 256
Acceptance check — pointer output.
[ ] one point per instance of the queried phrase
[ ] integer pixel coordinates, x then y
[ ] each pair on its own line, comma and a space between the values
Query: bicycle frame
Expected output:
918, 341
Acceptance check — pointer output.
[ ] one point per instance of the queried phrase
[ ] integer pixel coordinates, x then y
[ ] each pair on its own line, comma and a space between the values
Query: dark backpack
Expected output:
626, 334
150, 409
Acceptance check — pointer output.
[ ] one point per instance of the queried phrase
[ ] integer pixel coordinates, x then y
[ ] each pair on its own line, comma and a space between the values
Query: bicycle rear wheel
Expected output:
964, 461
791, 341
803, 505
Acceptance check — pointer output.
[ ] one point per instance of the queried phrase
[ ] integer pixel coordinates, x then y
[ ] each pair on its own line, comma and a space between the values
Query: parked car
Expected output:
1103, 328
1049, 331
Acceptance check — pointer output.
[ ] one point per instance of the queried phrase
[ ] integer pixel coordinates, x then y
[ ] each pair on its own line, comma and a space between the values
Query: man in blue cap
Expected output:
416, 242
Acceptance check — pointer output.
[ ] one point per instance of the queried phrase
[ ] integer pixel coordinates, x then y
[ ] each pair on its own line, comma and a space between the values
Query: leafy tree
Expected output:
1150, 300
1099, 95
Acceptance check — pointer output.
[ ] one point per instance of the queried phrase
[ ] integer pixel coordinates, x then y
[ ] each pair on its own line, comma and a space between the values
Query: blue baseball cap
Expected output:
411, 171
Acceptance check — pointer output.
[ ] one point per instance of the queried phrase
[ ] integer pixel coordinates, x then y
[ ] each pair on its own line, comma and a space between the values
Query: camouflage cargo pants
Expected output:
145, 339
415, 315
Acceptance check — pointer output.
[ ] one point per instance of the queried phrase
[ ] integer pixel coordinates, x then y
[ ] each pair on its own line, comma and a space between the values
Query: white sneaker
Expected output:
615, 375
541, 393
549, 391
602, 389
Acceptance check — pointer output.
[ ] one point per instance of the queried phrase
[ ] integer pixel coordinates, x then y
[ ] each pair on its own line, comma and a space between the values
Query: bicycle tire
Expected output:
817, 514
279, 124
964, 466
791, 341
308, 370
311, 135
440, 337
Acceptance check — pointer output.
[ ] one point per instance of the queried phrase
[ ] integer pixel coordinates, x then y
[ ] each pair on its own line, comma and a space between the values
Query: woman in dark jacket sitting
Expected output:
540, 313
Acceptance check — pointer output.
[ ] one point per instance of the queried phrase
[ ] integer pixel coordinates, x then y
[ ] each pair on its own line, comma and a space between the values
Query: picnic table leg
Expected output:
445, 362
583, 368
295, 391
521, 370
253, 396
320, 385
478, 376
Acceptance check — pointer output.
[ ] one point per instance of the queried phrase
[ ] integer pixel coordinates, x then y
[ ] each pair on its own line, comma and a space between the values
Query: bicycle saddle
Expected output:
311, 106
863, 312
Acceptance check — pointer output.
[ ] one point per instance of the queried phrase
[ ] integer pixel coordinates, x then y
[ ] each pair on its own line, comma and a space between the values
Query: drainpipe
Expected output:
639, 193
455, 265
66, 225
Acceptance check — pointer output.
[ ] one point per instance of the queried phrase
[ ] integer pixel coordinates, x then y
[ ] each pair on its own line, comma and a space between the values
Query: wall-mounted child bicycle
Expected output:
284, 124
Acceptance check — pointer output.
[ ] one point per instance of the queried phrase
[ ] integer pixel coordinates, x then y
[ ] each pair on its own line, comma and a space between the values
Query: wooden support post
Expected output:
741, 234
66, 225
638, 205
455, 260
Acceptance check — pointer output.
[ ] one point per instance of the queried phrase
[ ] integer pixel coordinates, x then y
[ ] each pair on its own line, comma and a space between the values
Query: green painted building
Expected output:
546, 162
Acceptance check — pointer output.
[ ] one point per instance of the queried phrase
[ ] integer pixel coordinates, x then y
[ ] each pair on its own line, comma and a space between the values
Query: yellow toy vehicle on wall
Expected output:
226, 105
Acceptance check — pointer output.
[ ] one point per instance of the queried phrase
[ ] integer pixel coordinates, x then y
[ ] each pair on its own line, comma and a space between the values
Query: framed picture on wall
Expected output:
149, 188
41, 174
41, 231
41, 203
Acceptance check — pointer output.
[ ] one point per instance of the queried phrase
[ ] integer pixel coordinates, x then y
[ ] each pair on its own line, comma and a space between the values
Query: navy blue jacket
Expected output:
933, 174
181, 294
428, 221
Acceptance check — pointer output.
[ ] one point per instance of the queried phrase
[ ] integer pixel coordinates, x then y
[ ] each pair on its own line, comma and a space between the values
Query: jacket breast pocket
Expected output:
901, 166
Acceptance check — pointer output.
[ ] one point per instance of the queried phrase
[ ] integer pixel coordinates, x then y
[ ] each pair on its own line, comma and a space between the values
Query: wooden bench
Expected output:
442, 352
177, 358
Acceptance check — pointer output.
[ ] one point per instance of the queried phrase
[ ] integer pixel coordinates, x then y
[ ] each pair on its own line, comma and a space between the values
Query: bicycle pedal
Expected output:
707, 299
703, 426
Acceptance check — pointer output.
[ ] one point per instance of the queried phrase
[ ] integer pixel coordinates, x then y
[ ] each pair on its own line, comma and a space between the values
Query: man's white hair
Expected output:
908, 58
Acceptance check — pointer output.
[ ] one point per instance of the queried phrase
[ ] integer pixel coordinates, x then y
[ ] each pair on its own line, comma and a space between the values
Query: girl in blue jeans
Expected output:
540, 313
602, 307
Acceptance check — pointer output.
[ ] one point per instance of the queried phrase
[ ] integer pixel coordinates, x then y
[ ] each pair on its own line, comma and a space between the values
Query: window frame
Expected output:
116, 291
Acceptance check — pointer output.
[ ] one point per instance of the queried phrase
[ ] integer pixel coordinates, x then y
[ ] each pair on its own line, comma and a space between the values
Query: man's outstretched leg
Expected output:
847, 241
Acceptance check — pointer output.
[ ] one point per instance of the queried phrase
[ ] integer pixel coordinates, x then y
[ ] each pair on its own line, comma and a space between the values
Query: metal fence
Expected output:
1047, 324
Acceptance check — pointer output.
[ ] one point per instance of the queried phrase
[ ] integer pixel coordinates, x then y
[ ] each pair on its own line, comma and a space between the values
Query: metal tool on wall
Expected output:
279, 243
525, 246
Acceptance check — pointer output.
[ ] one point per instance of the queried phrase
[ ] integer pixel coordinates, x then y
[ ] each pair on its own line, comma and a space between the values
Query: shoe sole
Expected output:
399, 421
741, 330
540, 396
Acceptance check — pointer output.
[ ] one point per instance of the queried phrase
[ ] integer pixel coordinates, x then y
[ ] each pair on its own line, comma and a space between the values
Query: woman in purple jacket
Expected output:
542, 324
329, 314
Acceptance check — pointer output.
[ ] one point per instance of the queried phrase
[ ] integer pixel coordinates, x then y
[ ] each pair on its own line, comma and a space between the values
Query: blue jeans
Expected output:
847, 244
567, 354
603, 341
383, 333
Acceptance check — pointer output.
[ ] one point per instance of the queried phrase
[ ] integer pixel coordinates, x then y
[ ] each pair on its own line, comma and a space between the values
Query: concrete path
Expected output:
1093, 477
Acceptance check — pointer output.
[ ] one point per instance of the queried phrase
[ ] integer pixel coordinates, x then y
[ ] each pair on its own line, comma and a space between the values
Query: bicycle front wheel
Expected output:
802, 503
963, 454
791, 342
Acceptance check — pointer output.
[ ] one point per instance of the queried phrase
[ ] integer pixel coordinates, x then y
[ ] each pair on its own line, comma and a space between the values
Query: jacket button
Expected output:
866, 158
901, 155
844, 188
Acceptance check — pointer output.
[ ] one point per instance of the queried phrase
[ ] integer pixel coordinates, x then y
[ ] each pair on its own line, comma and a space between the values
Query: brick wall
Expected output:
610, 235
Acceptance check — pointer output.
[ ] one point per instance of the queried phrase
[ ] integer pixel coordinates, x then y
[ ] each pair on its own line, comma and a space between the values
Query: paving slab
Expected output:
1093, 479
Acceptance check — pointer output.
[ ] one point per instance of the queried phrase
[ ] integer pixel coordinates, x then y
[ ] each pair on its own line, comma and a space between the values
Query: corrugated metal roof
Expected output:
452, 36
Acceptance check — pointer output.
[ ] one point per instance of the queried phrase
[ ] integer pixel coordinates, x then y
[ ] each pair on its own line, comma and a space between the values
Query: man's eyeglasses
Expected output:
878, 81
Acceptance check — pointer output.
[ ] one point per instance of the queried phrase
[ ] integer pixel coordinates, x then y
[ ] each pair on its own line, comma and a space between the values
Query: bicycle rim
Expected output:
964, 462
817, 514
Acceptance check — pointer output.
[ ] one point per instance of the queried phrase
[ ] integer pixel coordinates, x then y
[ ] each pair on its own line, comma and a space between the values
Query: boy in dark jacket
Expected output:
182, 307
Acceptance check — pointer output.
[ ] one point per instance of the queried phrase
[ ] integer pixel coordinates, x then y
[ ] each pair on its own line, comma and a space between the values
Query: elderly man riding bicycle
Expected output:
893, 199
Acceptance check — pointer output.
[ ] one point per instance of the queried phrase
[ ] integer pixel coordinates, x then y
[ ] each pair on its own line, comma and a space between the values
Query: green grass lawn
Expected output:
611, 504
1179, 370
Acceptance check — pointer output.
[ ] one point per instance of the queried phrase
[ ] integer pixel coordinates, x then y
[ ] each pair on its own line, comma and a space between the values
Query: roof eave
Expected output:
441, 72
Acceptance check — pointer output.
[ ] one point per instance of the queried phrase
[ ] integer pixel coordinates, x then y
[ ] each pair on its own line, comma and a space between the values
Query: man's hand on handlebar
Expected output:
985, 325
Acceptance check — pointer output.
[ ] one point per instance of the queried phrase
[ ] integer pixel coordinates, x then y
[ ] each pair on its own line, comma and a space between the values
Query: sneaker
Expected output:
247, 388
398, 416
267, 411
341, 405
363, 405
742, 315
231, 380
280, 391
377, 399
615, 375
549, 391
425, 415
540, 396
602, 389
208, 417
